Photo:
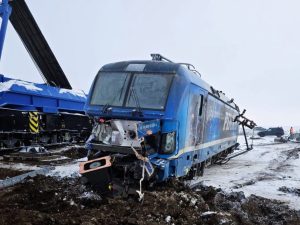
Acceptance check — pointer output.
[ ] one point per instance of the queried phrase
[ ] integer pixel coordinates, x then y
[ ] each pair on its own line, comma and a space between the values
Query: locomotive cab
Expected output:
135, 107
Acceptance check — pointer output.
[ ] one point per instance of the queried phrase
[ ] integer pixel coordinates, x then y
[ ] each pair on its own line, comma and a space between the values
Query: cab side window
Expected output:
201, 105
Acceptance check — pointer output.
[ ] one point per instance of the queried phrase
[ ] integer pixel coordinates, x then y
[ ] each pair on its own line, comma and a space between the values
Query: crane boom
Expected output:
36, 45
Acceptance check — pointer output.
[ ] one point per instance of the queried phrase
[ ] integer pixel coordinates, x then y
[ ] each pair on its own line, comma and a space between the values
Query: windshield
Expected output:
148, 91
151, 91
110, 89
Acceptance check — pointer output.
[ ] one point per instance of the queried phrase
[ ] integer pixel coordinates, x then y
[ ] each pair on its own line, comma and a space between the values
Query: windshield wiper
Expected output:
121, 90
107, 107
139, 111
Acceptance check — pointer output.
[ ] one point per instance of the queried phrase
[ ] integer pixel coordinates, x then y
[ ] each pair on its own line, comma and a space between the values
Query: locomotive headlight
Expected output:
168, 144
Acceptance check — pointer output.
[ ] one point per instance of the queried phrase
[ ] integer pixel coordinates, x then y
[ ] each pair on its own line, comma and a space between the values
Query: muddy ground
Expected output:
50, 200
7, 173
57, 156
47, 200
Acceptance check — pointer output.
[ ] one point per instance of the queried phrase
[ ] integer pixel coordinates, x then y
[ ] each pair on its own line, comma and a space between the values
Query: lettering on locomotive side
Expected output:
148, 127
229, 123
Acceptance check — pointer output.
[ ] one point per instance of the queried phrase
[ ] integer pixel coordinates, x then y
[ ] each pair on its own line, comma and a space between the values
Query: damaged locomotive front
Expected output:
154, 120
118, 154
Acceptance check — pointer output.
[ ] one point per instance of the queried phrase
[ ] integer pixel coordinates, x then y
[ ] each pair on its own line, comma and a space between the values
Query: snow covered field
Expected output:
262, 171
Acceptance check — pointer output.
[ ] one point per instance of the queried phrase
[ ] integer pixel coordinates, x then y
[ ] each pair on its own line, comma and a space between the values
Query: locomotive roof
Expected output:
143, 66
153, 66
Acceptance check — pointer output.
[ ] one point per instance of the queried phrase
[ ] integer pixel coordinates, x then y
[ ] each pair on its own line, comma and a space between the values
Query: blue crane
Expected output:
5, 11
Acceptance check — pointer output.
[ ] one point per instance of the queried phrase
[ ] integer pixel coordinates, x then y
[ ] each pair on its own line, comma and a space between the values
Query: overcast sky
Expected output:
248, 49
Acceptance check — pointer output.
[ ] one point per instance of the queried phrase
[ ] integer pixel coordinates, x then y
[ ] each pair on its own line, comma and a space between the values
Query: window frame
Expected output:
127, 92
200, 113
129, 77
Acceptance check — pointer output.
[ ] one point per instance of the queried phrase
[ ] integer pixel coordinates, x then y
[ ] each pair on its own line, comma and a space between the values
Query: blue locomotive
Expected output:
155, 120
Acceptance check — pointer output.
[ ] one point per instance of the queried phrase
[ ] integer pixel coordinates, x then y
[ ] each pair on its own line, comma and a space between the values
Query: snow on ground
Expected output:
67, 170
59, 158
17, 166
70, 169
261, 171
